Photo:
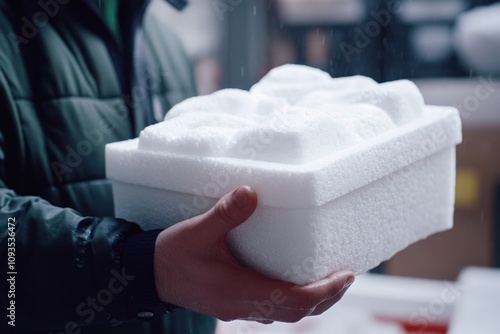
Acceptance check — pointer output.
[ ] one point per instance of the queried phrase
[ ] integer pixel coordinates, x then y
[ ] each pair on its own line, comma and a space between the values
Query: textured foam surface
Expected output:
348, 171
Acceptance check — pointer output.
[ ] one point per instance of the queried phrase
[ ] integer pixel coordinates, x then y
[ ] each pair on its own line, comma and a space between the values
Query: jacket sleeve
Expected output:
64, 269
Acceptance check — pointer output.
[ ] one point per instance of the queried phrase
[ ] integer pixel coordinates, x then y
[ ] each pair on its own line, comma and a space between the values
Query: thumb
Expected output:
230, 211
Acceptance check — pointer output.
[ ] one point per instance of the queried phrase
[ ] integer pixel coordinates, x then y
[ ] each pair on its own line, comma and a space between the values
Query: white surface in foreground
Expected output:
478, 309
398, 298
470, 305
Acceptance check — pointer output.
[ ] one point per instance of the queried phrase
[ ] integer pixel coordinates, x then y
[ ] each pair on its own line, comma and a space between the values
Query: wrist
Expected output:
138, 261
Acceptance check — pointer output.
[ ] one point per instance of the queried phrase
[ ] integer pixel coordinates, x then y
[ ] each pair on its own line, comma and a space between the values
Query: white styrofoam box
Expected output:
349, 204
340, 212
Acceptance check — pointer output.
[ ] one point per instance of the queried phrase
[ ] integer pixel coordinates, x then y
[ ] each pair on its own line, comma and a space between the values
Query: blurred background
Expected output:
449, 48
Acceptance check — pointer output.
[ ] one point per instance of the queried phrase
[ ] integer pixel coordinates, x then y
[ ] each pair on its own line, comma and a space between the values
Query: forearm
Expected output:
69, 268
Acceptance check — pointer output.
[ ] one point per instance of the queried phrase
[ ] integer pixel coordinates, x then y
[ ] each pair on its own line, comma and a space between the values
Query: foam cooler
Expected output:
324, 204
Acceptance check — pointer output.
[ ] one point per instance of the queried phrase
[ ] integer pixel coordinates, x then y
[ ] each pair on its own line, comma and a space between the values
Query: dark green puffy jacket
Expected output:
66, 89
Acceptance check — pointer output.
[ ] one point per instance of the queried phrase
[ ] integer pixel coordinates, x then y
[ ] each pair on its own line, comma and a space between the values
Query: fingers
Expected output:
273, 300
328, 287
317, 297
248, 294
325, 305
230, 211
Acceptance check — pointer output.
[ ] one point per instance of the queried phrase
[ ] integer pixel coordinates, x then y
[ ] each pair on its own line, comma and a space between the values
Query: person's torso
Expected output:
75, 90
72, 89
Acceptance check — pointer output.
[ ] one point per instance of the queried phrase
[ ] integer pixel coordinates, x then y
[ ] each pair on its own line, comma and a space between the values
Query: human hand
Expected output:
195, 269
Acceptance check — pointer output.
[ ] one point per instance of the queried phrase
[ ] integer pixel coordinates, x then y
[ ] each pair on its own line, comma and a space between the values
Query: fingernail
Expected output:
241, 197
348, 283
